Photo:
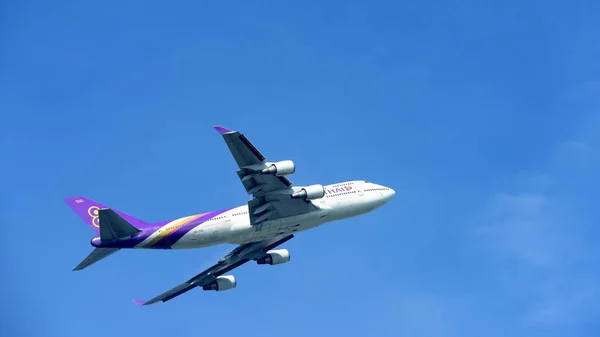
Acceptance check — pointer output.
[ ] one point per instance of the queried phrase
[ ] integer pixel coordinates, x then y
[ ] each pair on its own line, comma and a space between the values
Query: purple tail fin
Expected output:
87, 210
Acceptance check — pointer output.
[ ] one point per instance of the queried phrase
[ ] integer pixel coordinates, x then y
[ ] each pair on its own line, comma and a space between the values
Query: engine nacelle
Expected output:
310, 192
275, 257
222, 283
280, 168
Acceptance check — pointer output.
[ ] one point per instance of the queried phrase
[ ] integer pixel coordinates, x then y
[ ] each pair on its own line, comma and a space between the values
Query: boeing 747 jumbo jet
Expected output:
277, 210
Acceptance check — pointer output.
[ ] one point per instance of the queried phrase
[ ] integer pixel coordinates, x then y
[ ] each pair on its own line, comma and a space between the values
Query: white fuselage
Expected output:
339, 202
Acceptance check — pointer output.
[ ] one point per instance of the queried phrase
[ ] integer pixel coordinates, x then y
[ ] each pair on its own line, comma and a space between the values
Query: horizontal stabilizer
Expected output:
113, 227
95, 256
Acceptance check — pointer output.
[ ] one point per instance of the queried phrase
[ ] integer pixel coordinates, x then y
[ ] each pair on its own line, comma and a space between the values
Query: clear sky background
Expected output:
484, 116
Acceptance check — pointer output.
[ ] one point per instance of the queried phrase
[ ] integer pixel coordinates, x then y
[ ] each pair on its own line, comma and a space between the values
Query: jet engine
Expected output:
310, 192
222, 283
275, 257
280, 168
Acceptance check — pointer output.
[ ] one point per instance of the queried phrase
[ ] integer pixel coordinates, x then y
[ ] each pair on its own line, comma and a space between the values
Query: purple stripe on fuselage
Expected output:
172, 238
164, 243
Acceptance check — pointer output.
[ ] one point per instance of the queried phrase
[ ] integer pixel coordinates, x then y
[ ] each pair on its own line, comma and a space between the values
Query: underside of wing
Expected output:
96, 255
274, 195
213, 278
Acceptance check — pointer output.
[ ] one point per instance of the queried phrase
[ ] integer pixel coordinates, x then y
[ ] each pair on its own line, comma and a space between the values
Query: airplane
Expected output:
276, 211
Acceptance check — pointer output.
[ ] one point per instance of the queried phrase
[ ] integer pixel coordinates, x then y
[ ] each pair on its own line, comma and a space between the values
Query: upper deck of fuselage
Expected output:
345, 183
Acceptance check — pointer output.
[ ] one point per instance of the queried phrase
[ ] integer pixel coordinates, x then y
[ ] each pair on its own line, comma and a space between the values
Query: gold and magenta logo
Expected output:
94, 213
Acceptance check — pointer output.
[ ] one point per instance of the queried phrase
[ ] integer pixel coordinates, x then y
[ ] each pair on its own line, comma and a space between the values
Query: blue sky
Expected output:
483, 116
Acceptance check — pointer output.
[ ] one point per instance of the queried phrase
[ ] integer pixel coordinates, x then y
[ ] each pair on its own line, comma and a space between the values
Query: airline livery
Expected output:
277, 210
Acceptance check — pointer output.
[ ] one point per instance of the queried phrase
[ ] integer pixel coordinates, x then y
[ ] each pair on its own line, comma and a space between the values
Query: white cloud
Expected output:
527, 228
564, 300
539, 234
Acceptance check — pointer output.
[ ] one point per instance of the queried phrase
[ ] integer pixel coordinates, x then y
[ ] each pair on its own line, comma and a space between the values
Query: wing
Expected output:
270, 193
237, 257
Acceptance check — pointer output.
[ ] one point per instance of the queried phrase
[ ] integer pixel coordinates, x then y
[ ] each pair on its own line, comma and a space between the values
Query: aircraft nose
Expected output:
388, 194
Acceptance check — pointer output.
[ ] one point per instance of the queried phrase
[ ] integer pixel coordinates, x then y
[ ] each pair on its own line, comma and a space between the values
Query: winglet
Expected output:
222, 130
139, 302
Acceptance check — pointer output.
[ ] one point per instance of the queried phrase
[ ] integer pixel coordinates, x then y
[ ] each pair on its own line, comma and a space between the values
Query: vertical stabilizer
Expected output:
88, 211
108, 223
